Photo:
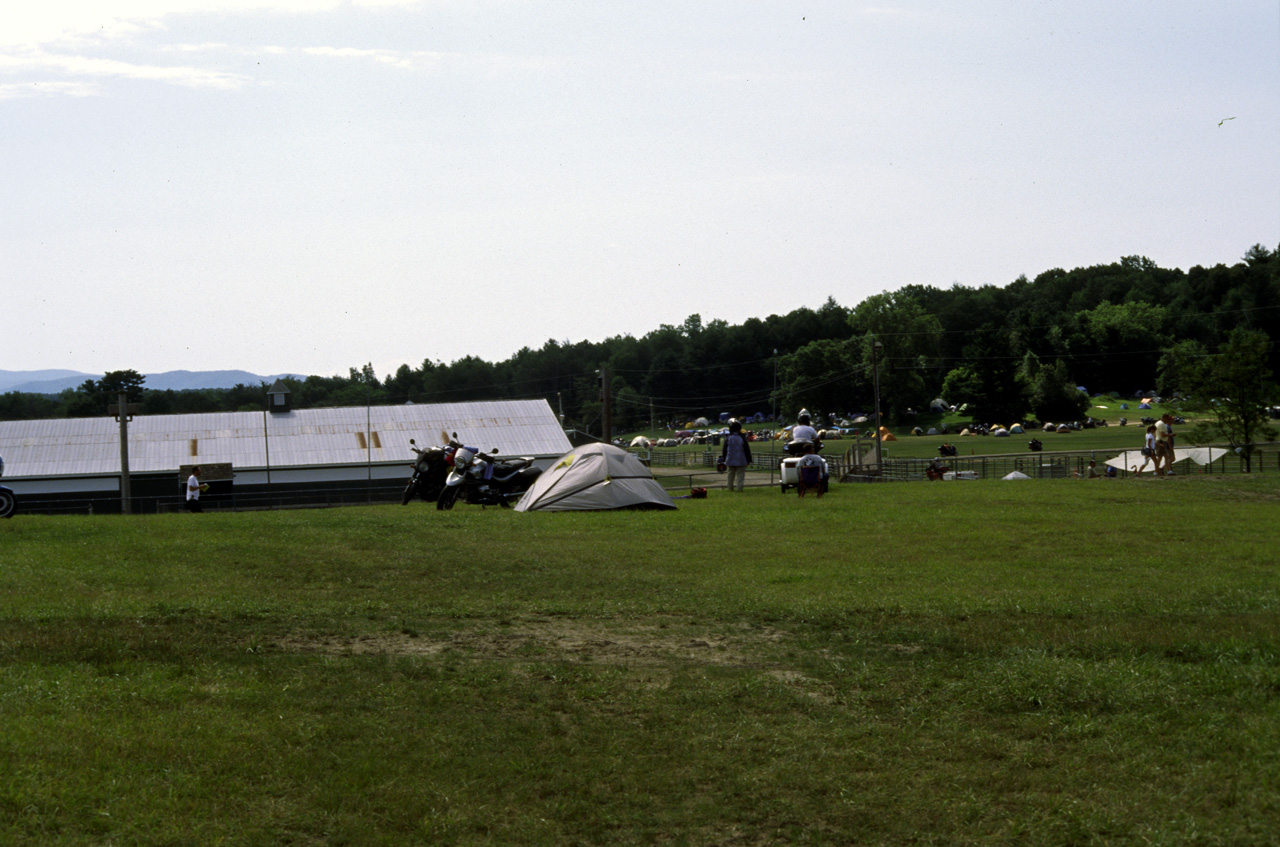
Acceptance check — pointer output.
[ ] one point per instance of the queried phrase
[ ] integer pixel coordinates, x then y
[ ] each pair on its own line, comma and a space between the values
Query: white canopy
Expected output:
1130, 459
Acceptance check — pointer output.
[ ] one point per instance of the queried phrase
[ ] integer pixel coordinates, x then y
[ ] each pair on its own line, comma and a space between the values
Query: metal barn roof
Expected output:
304, 437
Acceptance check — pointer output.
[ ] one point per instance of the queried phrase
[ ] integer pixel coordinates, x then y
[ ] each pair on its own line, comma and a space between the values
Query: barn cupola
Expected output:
278, 397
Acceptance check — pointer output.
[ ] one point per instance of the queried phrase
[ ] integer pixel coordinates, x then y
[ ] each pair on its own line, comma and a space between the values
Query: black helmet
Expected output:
803, 417
735, 425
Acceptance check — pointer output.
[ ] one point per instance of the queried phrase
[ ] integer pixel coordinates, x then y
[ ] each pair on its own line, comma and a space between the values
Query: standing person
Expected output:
736, 455
194, 487
1148, 451
1164, 444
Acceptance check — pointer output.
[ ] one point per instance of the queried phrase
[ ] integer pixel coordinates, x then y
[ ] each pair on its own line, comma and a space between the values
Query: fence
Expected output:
766, 459
253, 498
853, 464
699, 465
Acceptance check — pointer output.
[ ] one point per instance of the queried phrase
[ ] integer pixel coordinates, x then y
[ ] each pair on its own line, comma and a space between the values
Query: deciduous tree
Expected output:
1236, 387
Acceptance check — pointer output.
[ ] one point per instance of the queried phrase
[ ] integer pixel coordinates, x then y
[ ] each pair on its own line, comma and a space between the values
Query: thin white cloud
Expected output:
47, 88
893, 12
87, 67
395, 58
53, 21
75, 37
195, 48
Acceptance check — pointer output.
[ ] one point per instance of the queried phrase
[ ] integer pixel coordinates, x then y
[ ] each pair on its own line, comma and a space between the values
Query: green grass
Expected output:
991, 663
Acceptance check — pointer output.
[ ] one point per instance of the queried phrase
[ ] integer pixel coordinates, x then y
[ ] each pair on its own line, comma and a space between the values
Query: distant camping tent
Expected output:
592, 478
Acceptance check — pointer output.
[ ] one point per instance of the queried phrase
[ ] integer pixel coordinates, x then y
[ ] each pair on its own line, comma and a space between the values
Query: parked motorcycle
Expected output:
430, 469
8, 500
480, 479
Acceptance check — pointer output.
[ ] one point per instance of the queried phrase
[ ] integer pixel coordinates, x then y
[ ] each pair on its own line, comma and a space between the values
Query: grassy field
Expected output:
1048, 663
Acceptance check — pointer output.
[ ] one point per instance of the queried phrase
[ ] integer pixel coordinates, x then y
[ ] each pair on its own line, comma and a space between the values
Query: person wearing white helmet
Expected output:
736, 455
803, 430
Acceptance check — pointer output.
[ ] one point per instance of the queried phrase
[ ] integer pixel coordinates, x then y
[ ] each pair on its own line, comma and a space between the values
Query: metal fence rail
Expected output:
1070, 464
253, 499
761, 459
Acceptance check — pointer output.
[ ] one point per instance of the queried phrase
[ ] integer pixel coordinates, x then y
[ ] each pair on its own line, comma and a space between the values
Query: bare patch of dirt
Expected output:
604, 642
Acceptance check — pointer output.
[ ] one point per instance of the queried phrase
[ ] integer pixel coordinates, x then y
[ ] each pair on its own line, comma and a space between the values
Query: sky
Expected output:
307, 187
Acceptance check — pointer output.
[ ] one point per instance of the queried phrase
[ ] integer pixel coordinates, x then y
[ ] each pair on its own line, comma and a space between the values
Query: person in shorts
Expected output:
1148, 451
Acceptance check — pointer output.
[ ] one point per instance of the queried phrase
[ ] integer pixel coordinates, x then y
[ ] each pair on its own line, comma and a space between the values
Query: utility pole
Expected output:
606, 419
266, 446
876, 349
775, 385
124, 414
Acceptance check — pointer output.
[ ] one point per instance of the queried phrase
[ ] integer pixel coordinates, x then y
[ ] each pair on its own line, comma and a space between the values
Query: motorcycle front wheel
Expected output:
8, 503
408, 495
448, 497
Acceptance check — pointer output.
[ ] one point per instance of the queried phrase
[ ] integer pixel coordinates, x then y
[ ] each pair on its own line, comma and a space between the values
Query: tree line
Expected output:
1004, 351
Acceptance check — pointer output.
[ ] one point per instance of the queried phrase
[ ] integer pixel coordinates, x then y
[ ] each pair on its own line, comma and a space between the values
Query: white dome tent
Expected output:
595, 477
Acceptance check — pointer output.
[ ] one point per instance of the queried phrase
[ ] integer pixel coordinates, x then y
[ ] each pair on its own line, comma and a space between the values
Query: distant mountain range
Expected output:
55, 381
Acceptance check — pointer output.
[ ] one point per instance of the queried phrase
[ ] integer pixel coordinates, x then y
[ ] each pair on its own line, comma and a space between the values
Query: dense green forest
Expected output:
1006, 351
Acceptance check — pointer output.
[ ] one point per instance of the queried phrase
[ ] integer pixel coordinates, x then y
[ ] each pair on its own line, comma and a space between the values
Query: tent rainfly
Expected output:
595, 477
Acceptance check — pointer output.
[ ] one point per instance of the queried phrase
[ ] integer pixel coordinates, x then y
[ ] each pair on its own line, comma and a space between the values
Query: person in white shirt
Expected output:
194, 487
1148, 451
803, 431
